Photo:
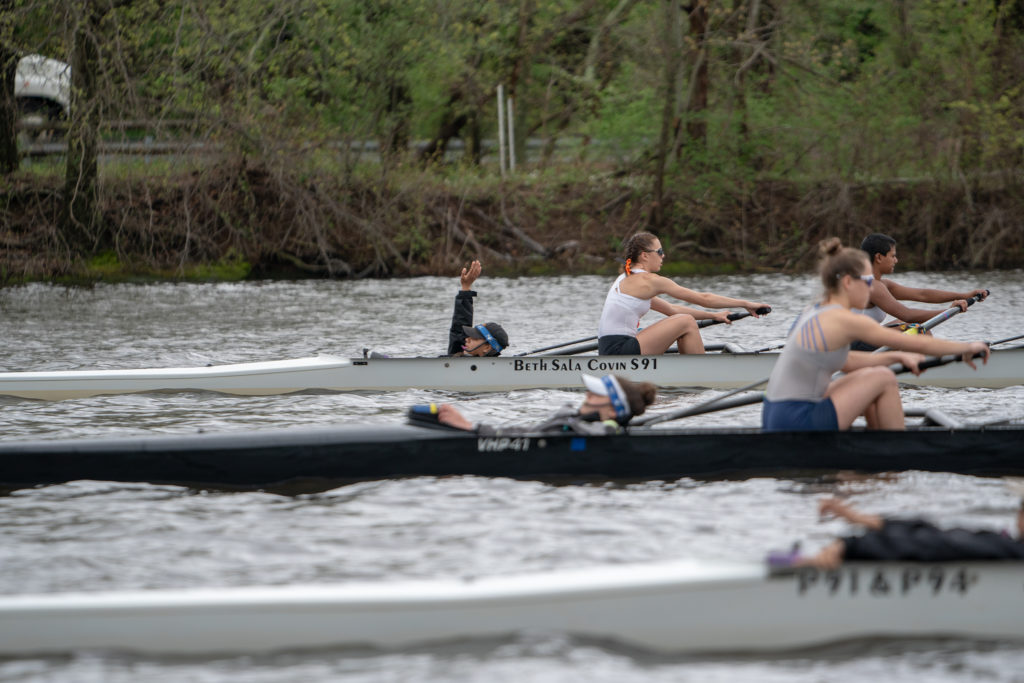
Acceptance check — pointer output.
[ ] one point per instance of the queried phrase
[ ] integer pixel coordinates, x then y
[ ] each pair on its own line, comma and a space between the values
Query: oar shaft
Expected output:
573, 350
1008, 339
709, 407
593, 347
950, 312
558, 346
941, 317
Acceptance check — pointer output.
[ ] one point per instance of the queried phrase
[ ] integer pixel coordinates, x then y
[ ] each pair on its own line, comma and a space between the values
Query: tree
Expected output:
80, 219
8, 108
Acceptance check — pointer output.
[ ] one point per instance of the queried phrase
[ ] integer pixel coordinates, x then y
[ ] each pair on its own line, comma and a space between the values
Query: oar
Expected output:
770, 348
706, 407
719, 402
1008, 339
940, 318
558, 346
764, 310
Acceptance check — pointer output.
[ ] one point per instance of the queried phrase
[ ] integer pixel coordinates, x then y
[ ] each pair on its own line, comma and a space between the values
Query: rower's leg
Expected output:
887, 410
680, 328
872, 392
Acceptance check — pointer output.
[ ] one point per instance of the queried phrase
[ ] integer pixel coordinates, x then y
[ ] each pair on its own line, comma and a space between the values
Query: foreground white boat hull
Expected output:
332, 373
666, 607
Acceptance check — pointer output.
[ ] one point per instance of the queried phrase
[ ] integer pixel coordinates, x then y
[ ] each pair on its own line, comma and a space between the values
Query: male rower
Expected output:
886, 294
610, 403
911, 540
465, 338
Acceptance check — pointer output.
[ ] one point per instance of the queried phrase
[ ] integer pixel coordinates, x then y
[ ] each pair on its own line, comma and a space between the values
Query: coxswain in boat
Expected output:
465, 338
886, 295
905, 540
608, 406
637, 290
801, 395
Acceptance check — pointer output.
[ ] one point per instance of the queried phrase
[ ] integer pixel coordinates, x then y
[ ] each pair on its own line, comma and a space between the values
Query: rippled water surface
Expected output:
99, 535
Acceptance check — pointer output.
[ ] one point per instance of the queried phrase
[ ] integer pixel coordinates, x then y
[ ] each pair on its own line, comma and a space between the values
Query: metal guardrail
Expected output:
150, 146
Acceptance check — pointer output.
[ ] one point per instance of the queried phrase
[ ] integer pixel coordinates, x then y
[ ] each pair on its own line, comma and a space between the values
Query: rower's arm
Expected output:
706, 299
856, 360
928, 296
882, 297
463, 315
843, 327
834, 506
666, 308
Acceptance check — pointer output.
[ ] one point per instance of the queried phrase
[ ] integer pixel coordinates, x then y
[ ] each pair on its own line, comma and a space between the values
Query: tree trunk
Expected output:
671, 54
697, 102
80, 221
8, 107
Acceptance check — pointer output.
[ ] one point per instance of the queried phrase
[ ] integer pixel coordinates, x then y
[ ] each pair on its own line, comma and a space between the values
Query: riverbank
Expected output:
234, 221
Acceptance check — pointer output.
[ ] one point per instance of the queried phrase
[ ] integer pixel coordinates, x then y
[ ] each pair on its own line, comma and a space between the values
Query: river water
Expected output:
101, 535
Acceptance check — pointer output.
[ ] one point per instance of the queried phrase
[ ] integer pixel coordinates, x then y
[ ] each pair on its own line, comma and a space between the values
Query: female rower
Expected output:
610, 403
636, 291
801, 394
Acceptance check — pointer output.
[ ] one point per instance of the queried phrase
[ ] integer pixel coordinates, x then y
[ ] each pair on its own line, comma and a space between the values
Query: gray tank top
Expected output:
806, 365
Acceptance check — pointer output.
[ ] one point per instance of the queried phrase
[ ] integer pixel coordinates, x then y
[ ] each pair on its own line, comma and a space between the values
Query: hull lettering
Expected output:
493, 444
885, 582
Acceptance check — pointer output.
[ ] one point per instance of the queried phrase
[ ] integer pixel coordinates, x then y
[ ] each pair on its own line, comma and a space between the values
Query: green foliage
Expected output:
848, 90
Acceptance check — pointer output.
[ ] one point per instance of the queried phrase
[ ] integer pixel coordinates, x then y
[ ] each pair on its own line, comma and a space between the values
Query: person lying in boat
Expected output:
637, 290
909, 540
608, 406
886, 295
801, 395
465, 338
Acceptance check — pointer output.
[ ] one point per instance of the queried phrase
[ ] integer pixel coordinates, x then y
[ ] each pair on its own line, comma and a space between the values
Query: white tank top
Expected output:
873, 312
621, 313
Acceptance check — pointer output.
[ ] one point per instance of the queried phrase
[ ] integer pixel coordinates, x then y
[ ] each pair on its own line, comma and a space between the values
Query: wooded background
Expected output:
741, 131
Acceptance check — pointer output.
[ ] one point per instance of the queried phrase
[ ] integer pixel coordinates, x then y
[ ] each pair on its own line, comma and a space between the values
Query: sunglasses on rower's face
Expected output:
868, 279
659, 251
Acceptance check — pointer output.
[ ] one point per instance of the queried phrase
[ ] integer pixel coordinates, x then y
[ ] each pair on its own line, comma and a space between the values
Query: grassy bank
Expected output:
229, 221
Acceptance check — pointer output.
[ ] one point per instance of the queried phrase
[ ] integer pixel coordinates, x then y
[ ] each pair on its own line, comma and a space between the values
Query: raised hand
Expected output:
469, 275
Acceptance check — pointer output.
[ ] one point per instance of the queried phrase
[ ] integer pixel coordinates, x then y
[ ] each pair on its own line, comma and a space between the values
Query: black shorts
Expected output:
861, 346
618, 345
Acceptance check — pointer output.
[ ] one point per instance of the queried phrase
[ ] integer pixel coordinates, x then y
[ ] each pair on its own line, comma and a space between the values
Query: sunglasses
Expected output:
659, 251
868, 279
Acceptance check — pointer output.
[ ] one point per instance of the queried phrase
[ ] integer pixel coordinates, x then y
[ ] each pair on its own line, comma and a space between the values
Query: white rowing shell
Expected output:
333, 373
680, 606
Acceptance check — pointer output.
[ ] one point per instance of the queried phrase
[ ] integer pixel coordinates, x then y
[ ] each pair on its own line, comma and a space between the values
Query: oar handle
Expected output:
764, 310
933, 362
950, 312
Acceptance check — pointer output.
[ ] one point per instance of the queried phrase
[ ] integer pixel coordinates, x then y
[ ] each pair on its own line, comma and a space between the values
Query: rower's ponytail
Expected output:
837, 261
636, 245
